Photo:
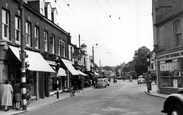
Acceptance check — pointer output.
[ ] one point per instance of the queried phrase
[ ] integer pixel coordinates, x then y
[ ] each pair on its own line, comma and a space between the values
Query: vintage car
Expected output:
173, 104
102, 82
140, 79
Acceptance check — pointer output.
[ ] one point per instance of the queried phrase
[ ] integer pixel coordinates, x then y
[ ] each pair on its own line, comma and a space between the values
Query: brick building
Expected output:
45, 43
168, 44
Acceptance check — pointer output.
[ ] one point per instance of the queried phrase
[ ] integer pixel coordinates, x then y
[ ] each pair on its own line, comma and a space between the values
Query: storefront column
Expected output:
68, 79
37, 85
157, 74
1, 79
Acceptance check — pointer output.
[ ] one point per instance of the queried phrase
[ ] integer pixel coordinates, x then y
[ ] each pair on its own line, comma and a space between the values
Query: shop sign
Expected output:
171, 55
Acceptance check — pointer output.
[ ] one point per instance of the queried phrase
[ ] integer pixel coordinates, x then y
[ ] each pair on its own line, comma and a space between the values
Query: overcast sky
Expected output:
119, 27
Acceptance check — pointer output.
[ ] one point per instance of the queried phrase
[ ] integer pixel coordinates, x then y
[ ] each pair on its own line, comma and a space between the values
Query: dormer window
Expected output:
54, 14
42, 7
48, 10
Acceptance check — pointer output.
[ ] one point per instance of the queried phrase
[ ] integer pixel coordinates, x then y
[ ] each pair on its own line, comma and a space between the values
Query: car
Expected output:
101, 82
140, 79
173, 104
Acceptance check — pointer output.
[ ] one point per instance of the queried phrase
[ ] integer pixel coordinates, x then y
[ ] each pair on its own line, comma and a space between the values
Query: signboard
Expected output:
171, 55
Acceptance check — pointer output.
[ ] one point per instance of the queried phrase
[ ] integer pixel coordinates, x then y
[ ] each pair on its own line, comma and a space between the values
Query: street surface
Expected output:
121, 98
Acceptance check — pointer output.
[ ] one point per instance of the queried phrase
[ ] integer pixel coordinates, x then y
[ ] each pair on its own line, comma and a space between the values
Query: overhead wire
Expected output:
79, 18
113, 10
67, 14
110, 16
116, 15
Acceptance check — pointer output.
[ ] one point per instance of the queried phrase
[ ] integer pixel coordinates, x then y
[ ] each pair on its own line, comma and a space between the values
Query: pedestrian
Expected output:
7, 95
17, 92
148, 80
14, 102
28, 92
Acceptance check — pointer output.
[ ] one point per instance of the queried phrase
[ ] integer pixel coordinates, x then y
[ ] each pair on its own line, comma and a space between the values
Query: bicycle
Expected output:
72, 92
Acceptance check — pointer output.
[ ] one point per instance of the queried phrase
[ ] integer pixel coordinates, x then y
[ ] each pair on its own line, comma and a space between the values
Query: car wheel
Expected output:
174, 109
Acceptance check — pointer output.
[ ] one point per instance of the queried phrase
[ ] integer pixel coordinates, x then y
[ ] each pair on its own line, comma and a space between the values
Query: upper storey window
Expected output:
17, 30
36, 34
177, 33
5, 25
52, 44
45, 41
28, 34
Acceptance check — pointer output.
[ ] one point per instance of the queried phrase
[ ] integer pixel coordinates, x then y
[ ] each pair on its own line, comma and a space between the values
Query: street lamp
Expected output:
93, 58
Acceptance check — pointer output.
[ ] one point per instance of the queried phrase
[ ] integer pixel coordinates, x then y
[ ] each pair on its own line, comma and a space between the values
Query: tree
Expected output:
140, 59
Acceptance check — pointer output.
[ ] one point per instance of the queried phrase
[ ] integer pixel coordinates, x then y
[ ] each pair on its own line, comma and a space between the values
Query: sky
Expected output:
119, 27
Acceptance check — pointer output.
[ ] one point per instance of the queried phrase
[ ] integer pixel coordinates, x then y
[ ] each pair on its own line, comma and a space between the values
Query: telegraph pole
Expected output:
23, 56
93, 61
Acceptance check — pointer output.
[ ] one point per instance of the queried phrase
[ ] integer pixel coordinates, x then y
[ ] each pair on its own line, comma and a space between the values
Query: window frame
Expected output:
52, 44
17, 30
46, 41
5, 25
37, 38
28, 33
177, 32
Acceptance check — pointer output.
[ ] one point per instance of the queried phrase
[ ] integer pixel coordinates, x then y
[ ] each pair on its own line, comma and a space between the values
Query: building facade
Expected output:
168, 44
46, 45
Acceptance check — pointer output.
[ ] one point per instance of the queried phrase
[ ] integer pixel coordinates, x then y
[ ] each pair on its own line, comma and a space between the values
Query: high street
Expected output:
121, 98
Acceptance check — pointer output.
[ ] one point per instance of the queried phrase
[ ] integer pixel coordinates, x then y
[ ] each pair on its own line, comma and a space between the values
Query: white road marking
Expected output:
123, 87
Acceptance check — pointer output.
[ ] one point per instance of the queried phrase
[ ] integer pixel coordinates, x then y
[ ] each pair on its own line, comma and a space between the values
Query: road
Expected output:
121, 98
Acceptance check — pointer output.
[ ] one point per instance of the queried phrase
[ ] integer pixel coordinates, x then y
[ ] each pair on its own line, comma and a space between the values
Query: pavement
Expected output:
40, 103
154, 92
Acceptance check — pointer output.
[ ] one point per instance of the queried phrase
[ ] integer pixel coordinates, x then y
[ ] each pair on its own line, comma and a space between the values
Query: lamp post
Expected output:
93, 59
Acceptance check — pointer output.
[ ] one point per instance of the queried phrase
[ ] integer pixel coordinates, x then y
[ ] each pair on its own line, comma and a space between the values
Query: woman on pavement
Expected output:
7, 95
17, 90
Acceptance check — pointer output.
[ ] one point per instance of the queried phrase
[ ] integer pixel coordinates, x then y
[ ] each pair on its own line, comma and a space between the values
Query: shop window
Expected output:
171, 73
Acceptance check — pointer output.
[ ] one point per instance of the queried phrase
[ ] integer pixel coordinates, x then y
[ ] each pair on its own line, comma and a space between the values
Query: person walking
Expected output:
28, 92
7, 95
148, 80
17, 92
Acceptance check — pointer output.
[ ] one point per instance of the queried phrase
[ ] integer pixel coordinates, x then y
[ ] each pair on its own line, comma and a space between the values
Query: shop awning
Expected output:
35, 60
81, 73
61, 72
70, 67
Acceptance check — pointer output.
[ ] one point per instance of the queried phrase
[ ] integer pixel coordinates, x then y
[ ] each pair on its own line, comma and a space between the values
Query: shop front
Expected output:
37, 73
70, 71
170, 72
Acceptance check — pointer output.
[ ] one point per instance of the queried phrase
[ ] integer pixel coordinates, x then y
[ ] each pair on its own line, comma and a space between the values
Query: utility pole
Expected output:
79, 41
23, 56
93, 61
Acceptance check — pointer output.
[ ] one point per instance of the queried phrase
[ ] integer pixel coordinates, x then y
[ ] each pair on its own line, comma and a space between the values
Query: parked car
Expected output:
173, 104
140, 79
